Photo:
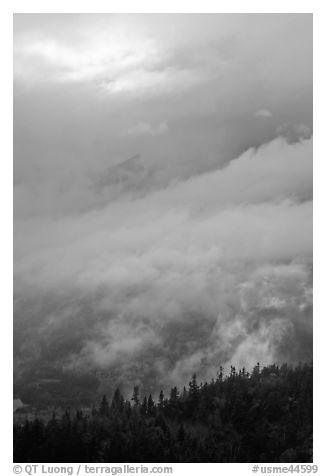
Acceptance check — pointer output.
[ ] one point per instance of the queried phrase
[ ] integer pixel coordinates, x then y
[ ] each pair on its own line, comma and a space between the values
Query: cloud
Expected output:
263, 113
168, 284
294, 132
144, 128
107, 53
81, 80
152, 83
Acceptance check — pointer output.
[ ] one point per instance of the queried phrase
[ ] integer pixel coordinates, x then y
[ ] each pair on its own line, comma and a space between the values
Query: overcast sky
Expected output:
162, 193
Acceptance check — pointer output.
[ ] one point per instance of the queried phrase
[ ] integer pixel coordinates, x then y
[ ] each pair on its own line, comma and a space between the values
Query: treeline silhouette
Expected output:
261, 416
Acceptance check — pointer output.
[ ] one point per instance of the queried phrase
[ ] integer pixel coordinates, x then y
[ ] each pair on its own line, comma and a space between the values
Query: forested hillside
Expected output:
260, 416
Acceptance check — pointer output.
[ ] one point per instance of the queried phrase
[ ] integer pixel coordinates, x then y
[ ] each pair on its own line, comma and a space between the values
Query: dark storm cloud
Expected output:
163, 193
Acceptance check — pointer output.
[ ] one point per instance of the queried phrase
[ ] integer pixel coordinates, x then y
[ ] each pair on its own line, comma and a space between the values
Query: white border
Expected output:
168, 6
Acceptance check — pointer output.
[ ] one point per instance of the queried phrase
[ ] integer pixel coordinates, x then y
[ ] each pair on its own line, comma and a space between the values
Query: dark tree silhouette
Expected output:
262, 416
